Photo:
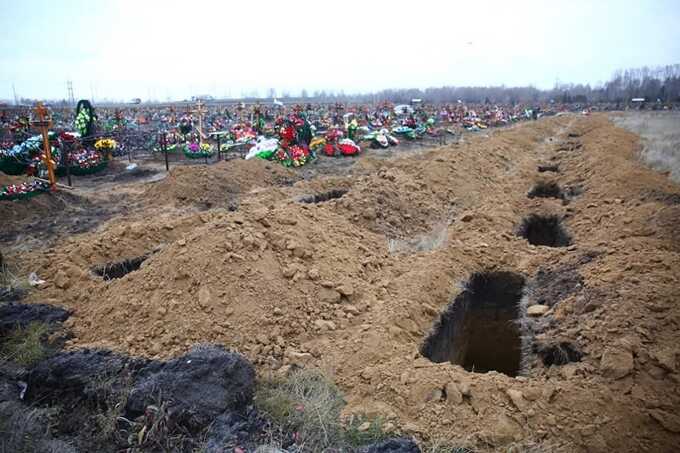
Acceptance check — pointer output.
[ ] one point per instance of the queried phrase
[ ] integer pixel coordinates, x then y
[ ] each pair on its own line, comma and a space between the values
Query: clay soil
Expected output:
235, 258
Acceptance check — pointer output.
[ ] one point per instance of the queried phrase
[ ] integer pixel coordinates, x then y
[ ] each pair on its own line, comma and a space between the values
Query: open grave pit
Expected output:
547, 189
546, 230
323, 196
548, 167
119, 269
482, 328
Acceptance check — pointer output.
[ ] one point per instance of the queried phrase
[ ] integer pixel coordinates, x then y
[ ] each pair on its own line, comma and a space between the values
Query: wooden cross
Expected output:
200, 111
44, 122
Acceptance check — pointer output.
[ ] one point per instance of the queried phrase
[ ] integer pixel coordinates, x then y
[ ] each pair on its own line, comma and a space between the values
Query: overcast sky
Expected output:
167, 49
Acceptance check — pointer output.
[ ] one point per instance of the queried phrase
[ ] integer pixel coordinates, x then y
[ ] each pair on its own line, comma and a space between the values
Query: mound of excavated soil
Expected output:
313, 284
218, 185
6, 179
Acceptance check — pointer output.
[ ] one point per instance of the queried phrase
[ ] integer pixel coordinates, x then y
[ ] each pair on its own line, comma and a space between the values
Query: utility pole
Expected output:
16, 99
71, 98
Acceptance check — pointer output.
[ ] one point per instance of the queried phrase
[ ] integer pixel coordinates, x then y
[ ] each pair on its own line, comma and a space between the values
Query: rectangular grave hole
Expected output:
324, 196
546, 189
118, 269
545, 168
544, 230
480, 329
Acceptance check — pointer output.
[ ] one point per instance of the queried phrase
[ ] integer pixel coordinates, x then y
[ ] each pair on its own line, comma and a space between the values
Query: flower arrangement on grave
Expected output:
265, 148
28, 156
84, 118
406, 131
37, 165
293, 156
194, 150
348, 147
68, 137
23, 190
86, 162
106, 146
318, 144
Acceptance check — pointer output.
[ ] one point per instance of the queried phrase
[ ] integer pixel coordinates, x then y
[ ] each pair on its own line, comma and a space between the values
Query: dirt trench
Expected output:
315, 285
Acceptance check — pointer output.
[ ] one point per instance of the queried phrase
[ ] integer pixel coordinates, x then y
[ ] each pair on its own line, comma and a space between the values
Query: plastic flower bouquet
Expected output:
106, 146
196, 151
23, 190
86, 162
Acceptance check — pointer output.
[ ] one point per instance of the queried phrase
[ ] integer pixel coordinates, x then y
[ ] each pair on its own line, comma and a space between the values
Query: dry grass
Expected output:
154, 431
10, 284
25, 345
26, 429
356, 436
660, 132
109, 416
307, 404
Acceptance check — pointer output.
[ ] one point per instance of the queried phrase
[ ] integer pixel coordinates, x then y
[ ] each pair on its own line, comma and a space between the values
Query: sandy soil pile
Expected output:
313, 284
217, 185
6, 179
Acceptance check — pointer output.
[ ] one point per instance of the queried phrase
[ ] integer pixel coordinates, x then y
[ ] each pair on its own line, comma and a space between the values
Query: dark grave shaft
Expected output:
552, 168
544, 230
324, 196
119, 269
480, 329
546, 189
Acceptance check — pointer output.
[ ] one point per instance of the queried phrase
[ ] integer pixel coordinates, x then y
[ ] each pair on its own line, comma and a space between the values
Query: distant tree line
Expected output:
659, 83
